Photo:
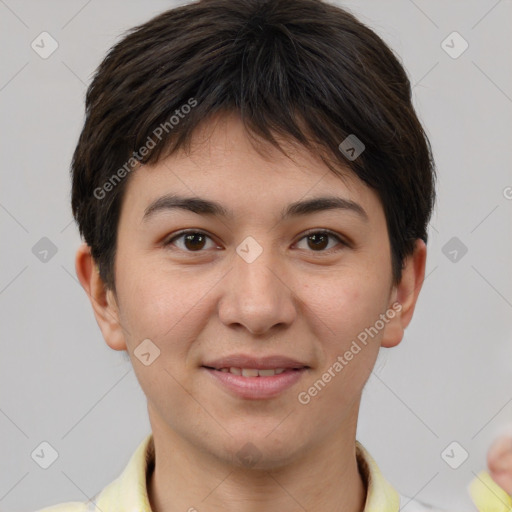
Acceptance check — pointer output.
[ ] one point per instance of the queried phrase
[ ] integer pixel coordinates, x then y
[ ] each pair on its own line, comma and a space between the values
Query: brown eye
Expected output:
318, 241
192, 241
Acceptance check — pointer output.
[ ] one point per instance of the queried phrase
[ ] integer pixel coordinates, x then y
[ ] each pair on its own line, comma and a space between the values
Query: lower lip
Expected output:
257, 388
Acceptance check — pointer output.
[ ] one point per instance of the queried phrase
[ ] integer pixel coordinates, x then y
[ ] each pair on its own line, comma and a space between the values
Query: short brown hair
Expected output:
302, 69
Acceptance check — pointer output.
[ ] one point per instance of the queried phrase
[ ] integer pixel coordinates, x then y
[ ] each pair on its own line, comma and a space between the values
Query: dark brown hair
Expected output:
304, 70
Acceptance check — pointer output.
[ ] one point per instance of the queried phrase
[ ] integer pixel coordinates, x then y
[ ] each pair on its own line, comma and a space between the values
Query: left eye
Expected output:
319, 240
195, 241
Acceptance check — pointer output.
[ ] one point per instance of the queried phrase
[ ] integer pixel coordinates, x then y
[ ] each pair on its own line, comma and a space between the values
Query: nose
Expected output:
257, 295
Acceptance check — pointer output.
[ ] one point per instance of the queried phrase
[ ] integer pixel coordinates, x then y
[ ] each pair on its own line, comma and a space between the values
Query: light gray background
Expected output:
449, 380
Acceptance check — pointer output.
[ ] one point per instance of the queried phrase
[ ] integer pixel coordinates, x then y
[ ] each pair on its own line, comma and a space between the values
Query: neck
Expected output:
326, 477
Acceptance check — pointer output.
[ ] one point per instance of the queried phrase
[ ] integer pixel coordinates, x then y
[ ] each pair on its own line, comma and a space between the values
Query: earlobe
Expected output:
405, 295
103, 301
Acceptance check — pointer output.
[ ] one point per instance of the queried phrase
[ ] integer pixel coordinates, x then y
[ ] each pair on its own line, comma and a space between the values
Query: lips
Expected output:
241, 362
255, 378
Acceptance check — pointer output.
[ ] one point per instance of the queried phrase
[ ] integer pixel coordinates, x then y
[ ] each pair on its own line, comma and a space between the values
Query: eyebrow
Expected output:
203, 206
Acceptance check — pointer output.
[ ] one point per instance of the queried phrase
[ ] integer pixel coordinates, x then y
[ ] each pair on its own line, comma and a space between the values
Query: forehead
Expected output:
226, 164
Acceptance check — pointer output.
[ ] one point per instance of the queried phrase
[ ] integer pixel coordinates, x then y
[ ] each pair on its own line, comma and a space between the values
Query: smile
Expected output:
254, 372
253, 383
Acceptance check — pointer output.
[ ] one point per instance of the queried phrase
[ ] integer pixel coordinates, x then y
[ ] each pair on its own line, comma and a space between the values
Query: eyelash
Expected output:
305, 235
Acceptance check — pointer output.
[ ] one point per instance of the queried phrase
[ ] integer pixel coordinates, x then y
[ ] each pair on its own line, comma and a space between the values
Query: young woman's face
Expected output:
252, 283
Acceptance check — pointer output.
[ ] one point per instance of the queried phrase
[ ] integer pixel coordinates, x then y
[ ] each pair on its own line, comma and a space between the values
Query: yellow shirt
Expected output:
128, 493
488, 496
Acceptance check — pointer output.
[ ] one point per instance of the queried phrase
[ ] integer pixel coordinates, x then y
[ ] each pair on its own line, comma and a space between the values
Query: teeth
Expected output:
253, 372
267, 373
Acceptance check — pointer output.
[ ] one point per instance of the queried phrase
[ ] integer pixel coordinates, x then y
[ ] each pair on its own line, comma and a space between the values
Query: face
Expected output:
252, 283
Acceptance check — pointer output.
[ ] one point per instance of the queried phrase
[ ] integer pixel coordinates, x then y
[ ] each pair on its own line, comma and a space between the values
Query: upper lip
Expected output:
262, 363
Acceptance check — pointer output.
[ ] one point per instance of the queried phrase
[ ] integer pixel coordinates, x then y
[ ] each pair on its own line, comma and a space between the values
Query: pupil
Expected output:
190, 238
315, 239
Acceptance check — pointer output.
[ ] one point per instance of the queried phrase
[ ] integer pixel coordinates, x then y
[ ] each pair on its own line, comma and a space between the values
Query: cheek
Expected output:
154, 305
347, 306
169, 311
170, 307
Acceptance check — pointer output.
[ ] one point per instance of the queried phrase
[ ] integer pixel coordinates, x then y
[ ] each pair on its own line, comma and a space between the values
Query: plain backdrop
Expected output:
449, 381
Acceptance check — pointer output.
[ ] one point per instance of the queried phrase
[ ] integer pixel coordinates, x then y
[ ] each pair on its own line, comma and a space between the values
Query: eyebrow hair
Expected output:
206, 207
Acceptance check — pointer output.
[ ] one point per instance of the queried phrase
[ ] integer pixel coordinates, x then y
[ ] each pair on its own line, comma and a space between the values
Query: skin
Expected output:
499, 462
294, 300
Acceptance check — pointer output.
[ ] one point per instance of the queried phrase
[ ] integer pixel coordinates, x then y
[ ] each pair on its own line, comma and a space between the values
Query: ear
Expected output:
103, 300
405, 294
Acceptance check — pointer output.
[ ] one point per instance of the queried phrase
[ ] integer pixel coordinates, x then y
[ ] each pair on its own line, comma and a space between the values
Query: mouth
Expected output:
255, 378
255, 372
255, 383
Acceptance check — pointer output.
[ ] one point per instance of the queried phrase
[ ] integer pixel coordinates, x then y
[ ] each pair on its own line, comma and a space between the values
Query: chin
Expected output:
262, 452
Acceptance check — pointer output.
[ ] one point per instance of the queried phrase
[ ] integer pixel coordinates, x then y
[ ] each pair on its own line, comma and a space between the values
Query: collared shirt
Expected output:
128, 493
